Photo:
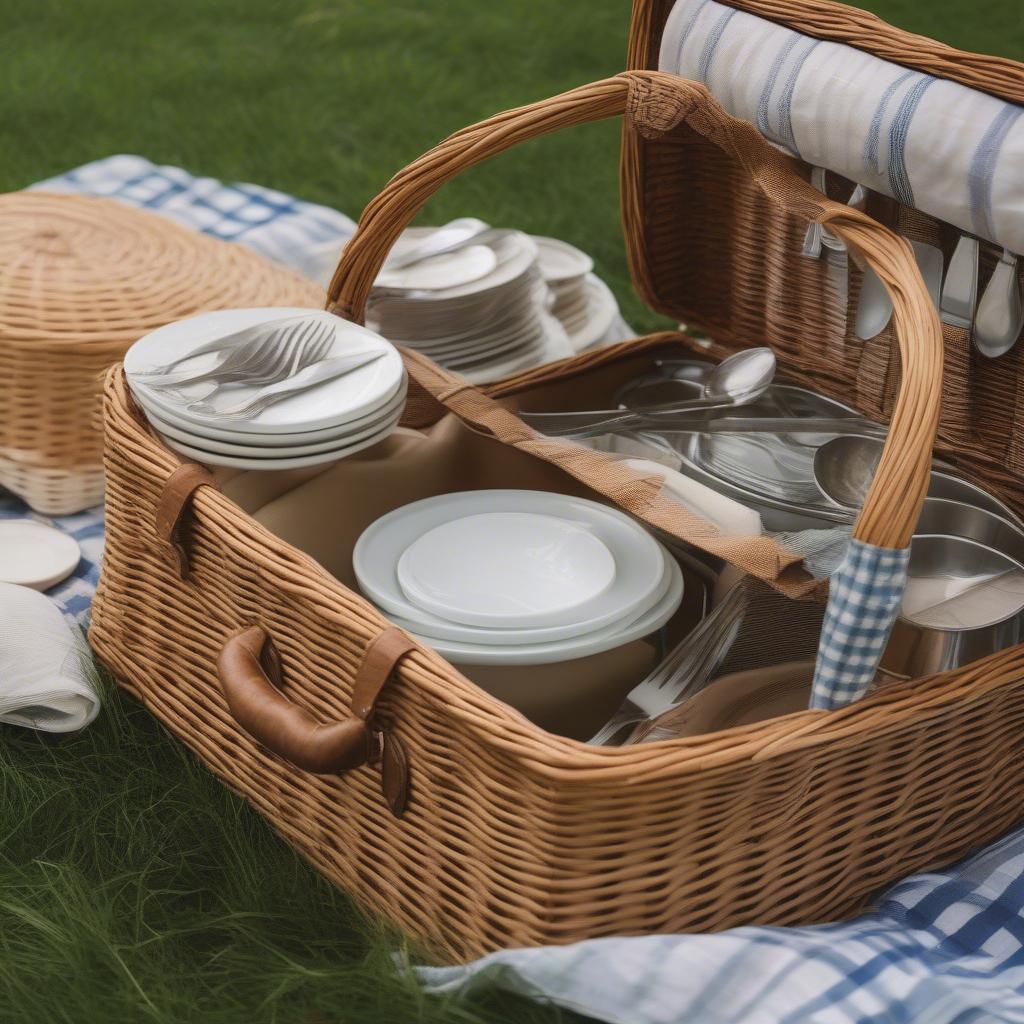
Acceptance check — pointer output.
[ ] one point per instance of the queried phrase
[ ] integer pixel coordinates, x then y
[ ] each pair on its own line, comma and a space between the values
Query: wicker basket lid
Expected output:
80, 271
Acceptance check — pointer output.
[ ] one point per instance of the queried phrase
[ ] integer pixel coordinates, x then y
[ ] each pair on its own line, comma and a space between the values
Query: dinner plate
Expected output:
601, 312
559, 261
442, 629
279, 451
639, 558
574, 647
554, 345
507, 570
330, 404
35, 555
444, 270
266, 464
274, 444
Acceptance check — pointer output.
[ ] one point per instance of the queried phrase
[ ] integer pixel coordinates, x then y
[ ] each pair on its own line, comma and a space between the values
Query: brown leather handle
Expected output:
654, 103
250, 674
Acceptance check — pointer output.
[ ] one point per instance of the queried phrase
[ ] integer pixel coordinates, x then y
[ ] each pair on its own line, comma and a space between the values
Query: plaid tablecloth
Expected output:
942, 948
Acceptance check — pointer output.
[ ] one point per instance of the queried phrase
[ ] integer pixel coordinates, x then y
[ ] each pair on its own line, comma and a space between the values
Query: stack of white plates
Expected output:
582, 302
480, 311
321, 424
510, 577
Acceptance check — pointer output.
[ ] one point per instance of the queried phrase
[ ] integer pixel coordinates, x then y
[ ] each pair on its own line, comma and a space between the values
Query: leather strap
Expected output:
378, 664
174, 509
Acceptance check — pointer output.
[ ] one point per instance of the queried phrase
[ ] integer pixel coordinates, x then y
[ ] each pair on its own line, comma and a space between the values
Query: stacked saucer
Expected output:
479, 311
581, 301
267, 389
512, 577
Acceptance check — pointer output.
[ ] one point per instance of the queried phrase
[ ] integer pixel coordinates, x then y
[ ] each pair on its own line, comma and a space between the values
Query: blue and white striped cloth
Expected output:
863, 601
939, 948
951, 151
273, 223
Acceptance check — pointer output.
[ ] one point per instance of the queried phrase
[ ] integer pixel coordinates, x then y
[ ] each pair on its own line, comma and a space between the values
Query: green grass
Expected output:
132, 887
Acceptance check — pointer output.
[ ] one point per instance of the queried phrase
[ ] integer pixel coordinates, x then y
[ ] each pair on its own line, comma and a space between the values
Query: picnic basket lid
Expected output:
91, 273
708, 247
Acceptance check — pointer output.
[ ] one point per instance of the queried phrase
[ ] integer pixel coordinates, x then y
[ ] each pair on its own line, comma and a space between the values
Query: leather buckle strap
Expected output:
174, 509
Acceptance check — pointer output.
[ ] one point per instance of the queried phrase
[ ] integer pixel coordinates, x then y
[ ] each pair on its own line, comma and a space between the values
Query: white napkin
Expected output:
44, 665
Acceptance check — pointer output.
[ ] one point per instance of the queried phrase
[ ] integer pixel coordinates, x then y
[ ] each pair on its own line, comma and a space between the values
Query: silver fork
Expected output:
266, 361
684, 669
316, 373
239, 339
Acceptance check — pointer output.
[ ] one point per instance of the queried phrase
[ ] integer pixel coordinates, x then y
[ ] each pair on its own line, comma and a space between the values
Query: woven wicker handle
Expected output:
654, 103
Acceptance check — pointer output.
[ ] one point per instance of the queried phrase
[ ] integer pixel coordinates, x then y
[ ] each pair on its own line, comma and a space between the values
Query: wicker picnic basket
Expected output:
436, 805
83, 278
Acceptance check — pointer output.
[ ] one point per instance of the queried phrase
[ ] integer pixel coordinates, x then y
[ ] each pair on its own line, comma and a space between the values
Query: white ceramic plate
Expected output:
244, 451
330, 404
442, 629
516, 253
555, 345
267, 464
507, 570
35, 555
639, 558
601, 312
559, 261
447, 270
575, 647
279, 445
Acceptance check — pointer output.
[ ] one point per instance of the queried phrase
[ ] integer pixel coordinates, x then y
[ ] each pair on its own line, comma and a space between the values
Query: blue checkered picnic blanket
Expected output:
943, 948
939, 948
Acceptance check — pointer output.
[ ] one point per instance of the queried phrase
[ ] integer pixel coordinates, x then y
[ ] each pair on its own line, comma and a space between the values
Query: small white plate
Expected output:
507, 570
329, 404
35, 555
559, 261
267, 464
442, 629
448, 270
277, 446
639, 558
575, 647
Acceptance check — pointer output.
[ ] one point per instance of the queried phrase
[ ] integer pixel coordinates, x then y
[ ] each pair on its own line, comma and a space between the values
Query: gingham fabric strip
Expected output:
949, 150
863, 601
277, 225
940, 948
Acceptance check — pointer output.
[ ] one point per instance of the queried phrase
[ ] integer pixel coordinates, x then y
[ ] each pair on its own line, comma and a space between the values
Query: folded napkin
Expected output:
44, 665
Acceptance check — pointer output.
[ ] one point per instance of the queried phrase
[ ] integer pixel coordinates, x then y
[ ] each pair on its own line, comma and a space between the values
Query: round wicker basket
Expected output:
82, 279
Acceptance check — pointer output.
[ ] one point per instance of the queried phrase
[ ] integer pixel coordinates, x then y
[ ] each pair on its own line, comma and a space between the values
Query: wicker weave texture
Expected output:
82, 279
709, 248
514, 836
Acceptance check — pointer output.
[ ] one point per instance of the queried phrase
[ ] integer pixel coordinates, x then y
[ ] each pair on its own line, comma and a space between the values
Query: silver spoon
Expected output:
737, 380
1000, 314
844, 468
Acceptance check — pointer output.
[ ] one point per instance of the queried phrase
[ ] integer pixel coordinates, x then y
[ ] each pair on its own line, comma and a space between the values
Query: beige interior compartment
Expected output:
323, 511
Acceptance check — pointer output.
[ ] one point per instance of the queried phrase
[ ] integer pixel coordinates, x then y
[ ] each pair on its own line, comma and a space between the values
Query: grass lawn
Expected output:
132, 887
